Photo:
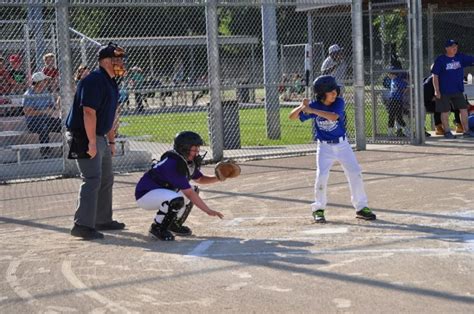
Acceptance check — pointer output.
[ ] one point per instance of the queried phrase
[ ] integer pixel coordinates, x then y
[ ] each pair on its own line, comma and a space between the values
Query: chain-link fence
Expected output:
238, 99
236, 91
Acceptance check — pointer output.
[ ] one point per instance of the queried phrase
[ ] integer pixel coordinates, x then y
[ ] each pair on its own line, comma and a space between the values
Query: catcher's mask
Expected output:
183, 142
117, 55
324, 84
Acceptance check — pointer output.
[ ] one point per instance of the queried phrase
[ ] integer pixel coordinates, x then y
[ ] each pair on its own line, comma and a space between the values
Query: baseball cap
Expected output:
39, 76
450, 42
334, 48
111, 51
15, 58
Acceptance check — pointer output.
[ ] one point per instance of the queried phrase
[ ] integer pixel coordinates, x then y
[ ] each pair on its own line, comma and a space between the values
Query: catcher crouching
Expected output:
166, 187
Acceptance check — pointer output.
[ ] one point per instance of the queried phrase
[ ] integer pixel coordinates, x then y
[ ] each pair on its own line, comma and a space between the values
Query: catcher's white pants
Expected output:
326, 155
158, 200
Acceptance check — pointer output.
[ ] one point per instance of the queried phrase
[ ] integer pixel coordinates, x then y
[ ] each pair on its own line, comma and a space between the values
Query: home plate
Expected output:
326, 231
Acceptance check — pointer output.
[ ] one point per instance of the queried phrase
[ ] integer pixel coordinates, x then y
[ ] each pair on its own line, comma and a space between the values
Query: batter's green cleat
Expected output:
366, 214
318, 216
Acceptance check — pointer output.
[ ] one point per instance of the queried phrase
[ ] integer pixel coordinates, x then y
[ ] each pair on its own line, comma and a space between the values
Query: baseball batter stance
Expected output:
332, 145
166, 188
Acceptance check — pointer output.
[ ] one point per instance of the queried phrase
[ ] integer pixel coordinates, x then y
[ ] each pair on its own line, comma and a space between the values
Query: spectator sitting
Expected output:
81, 72
6, 80
18, 75
50, 70
39, 107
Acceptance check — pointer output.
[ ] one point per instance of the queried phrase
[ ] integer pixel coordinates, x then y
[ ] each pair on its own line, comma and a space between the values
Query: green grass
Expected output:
163, 127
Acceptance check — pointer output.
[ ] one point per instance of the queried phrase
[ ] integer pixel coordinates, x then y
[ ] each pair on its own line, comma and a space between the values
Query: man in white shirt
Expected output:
335, 65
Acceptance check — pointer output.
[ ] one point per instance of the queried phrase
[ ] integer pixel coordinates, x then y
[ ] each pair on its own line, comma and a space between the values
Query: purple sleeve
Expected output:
171, 173
197, 175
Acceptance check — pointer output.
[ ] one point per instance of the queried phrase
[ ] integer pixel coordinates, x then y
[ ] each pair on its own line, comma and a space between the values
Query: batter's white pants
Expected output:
326, 155
158, 200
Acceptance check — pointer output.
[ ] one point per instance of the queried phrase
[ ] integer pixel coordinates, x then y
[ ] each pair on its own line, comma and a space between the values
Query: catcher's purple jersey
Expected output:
166, 171
327, 130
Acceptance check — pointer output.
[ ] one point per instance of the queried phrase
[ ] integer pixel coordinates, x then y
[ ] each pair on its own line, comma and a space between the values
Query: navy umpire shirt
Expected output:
97, 91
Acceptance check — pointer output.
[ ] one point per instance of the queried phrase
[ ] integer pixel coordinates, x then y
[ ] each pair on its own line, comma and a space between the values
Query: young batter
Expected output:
332, 145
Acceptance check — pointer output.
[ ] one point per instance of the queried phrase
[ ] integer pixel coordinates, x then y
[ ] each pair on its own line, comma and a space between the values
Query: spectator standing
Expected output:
448, 82
136, 81
335, 65
81, 72
39, 107
91, 136
398, 88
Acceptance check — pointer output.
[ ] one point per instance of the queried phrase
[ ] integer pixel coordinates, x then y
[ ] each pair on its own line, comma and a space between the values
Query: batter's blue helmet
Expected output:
324, 84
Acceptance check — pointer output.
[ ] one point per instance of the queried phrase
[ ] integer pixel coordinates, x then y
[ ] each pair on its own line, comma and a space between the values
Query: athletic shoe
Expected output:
180, 230
113, 225
366, 214
427, 134
459, 128
449, 135
439, 129
156, 232
318, 216
86, 233
469, 134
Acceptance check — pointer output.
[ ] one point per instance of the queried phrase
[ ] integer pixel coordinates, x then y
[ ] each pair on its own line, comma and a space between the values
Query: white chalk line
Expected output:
71, 277
14, 283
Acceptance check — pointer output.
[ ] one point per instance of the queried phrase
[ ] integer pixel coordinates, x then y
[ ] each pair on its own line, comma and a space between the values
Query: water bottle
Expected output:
469, 78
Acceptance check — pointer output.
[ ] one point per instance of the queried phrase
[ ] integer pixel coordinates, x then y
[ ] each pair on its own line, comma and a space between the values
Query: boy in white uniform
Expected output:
332, 145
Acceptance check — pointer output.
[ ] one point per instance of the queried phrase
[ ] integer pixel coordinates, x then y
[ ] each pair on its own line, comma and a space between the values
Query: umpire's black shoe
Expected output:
113, 225
156, 232
180, 230
366, 214
86, 233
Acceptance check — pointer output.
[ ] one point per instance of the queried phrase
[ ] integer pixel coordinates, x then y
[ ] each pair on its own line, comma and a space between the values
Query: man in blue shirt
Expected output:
448, 82
332, 145
91, 125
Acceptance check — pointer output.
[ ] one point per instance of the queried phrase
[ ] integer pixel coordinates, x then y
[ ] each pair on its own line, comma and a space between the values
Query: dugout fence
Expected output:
199, 64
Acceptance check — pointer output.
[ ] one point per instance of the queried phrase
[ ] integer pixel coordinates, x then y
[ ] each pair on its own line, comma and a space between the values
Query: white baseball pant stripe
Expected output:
326, 155
158, 200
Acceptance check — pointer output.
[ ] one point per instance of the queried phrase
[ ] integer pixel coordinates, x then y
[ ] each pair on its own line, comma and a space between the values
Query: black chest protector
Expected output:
184, 168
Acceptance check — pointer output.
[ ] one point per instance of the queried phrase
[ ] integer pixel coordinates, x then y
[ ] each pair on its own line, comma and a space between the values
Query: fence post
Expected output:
65, 73
358, 44
417, 45
270, 70
216, 124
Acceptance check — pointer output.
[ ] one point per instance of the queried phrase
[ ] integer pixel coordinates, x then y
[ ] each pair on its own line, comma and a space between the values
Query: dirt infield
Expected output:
266, 255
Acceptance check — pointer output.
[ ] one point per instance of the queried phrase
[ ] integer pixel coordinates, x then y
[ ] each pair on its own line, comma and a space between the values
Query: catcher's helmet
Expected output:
184, 140
324, 84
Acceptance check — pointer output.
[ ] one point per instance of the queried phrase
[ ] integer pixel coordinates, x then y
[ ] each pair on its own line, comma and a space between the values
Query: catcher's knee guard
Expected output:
174, 206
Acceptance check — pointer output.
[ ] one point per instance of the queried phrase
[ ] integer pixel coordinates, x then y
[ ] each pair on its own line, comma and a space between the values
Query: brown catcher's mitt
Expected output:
227, 169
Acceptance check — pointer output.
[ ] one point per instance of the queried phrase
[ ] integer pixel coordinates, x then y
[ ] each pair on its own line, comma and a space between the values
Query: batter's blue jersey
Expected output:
327, 130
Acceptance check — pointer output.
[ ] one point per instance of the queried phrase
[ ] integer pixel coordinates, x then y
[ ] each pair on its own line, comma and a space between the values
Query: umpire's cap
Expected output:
184, 140
324, 84
111, 51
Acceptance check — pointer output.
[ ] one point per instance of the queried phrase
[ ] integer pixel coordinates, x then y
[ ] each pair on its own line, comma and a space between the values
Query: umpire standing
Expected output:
91, 125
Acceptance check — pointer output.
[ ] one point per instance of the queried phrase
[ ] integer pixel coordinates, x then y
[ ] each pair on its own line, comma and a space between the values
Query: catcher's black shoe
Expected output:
180, 230
156, 232
366, 214
318, 216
